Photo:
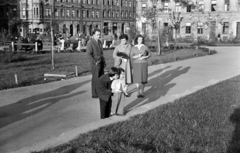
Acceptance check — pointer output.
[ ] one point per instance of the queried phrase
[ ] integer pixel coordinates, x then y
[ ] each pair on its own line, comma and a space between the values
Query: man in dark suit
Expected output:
105, 92
97, 61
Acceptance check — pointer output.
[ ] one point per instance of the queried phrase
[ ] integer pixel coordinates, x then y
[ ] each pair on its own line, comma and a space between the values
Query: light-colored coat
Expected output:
126, 65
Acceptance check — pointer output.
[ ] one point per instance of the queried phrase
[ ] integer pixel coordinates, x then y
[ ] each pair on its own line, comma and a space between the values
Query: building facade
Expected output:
8, 10
78, 16
210, 18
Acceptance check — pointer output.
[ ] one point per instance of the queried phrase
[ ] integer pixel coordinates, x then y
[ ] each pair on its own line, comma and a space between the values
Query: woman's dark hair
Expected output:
123, 36
136, 39
95, 30
120, 70
113, 71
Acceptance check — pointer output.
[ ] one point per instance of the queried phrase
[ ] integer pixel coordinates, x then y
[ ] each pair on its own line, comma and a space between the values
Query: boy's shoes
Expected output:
94, 96
140, 96
120, 114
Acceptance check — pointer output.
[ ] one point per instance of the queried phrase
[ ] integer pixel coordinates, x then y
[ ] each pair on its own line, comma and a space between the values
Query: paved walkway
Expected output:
40, 116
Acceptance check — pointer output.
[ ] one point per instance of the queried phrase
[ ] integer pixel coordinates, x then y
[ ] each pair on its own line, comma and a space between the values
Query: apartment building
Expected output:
219, 18
8, 10
76, 16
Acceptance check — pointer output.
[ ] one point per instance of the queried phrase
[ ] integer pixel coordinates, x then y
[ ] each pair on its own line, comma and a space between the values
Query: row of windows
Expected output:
127, 3
87, 13
200, 6
77, 13
188, 28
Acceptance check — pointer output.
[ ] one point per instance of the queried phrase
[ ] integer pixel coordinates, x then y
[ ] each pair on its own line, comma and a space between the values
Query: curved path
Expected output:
40, 116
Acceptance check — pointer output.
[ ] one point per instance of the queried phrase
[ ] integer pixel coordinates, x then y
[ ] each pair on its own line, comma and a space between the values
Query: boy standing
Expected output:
104, 91
119, 89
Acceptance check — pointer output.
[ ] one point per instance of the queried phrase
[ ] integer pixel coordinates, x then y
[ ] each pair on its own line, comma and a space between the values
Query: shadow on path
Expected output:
32, 105
159, 86
234, 144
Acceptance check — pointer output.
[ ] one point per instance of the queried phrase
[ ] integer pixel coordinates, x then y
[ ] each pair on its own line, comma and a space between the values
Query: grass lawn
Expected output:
207, 121
30, 68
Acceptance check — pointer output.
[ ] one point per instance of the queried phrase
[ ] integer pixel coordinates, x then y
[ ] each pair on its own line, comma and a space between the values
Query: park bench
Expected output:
59, 75
11, 46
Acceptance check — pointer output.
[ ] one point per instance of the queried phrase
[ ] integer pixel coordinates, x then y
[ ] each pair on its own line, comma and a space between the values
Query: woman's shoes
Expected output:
126, 95
140, 96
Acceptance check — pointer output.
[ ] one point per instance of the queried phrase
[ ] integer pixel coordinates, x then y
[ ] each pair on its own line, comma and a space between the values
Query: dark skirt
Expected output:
140, 72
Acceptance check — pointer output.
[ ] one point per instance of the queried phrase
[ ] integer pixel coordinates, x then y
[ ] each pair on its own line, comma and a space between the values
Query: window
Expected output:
93, 14
89, 1
144, 6
56, 12
68, 13
37, 11
62, 13
126, 3
117, 14
165, 7
226, 5
188, 27
97, 14
122, 14
130, 14
126, 14
130, 4
178, 7
189, 7
117, 3
73, 13
200, 28
109, 14
113, 14
24, 12
1, 12
225, 27
213, 5
78, 15
84, 14
87, 13
201, 5
165, 27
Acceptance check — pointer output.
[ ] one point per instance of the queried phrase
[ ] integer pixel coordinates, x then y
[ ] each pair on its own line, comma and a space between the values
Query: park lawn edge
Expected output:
207, 120
32, 74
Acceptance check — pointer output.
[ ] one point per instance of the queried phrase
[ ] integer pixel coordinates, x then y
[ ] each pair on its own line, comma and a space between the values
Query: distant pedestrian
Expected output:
97, 61
104, 91
140, 53
62, 41
119, 89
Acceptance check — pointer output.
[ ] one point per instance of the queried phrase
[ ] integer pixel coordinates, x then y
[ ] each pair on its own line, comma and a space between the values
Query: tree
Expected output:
175, 23
55, 23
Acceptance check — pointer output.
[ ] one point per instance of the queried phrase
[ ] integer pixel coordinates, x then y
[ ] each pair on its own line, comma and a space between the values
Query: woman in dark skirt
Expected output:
139, 55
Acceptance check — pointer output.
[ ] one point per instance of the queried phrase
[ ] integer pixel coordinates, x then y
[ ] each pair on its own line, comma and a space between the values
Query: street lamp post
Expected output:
52, 36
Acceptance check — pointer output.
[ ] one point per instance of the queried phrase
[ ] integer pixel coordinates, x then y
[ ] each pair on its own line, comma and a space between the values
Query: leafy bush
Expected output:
187, 39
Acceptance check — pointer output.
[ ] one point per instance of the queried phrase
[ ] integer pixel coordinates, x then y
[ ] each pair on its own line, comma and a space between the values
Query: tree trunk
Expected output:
175, 33
159, 39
